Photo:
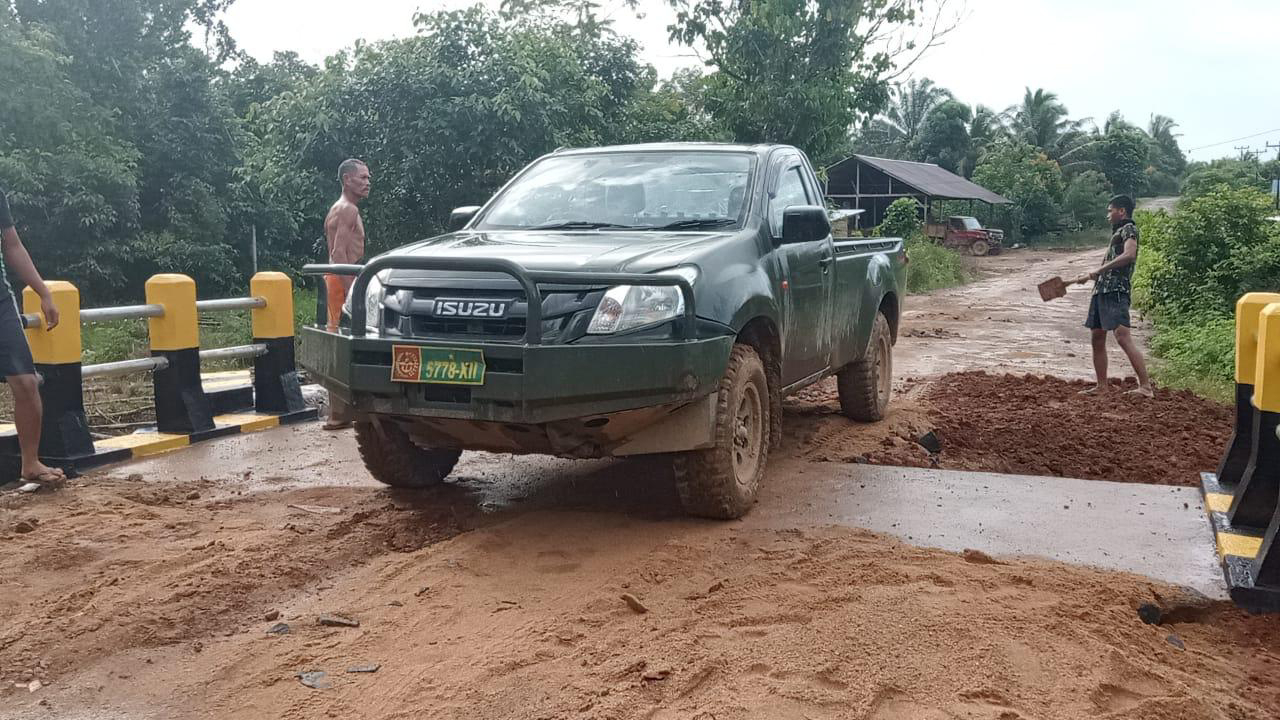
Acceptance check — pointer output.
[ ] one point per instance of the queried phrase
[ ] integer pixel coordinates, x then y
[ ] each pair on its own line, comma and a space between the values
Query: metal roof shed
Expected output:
872, 183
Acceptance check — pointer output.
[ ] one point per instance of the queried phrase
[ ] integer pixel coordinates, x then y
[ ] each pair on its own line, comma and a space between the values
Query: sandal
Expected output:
51, 478
340, 425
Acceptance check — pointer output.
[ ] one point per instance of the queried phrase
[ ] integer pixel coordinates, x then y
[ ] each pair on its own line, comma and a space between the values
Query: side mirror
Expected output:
804, 223
461, 216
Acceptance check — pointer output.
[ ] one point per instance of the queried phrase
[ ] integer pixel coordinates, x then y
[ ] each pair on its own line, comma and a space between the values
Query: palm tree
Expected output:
1165, 141
1041, 120
897, 130
985, 127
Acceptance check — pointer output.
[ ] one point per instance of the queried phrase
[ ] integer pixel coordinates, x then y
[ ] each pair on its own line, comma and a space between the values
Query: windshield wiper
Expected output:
694, 223
580, 225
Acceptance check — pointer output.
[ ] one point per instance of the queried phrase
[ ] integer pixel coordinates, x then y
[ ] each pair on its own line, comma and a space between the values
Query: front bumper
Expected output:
524, 384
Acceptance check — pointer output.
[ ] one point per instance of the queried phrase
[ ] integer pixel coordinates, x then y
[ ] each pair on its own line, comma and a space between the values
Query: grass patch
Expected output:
933, 267
1198, 356
1074, 240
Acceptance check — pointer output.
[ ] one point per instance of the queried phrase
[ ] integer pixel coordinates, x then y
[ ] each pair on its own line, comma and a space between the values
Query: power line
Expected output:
1224, 142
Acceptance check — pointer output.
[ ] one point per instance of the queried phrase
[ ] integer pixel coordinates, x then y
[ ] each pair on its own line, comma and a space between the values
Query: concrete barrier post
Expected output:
1248, 312
276, 386
181, 405
1255, 501
64, 431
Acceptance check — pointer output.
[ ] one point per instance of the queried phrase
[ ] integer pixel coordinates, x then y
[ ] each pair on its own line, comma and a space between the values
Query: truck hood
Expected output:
573, 251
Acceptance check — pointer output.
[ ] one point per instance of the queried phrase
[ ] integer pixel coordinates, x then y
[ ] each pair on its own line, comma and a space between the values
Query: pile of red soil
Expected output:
1043, 426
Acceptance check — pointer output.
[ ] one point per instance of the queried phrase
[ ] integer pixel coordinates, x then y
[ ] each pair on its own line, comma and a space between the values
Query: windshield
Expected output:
971, 223
636, 190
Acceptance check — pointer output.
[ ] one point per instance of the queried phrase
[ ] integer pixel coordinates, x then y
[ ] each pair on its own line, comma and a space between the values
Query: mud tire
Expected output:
865, 386
722, 482
980, 248
393, 459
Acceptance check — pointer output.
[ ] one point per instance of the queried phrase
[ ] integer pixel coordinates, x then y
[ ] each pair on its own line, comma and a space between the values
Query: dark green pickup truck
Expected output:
679, 292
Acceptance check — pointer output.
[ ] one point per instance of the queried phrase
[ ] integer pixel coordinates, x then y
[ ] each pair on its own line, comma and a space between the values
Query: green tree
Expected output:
1029, 178
1203, 177
1085, 199
944, 138
448, 116
794, 71
1122, 157
1041, 120
72, 184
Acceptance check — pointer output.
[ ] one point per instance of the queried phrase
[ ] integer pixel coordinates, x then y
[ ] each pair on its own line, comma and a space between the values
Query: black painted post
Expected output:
64, 431
276, 386
181, 405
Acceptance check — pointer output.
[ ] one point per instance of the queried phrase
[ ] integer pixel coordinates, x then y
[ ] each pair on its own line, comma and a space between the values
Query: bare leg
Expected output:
1098, 339
339, 414
1134, 353
27, 413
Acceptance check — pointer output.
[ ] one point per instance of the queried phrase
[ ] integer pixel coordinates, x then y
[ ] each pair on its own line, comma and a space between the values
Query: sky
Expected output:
1211, 67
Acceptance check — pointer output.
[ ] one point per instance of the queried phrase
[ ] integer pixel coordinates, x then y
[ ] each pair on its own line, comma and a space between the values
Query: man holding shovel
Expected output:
1109, 306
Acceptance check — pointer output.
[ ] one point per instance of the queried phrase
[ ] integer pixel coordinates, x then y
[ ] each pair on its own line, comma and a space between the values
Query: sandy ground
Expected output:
148, 592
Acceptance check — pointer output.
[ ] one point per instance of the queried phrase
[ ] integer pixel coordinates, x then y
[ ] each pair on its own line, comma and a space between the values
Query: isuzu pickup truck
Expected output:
612, 302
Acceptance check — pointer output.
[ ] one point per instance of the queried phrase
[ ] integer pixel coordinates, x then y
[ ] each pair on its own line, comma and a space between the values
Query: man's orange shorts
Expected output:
336, 289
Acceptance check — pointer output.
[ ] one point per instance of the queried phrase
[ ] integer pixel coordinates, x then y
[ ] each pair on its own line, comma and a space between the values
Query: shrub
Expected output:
932, 266
901, 219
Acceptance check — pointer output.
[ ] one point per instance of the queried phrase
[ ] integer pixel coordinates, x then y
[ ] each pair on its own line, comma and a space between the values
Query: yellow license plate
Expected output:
444, 366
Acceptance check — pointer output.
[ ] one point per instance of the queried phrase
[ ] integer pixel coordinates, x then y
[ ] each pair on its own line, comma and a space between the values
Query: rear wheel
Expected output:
979, 248
721, 482
866, 385
392, 458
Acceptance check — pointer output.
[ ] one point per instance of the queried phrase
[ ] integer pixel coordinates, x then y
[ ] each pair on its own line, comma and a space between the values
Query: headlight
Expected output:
626, 307
372, 303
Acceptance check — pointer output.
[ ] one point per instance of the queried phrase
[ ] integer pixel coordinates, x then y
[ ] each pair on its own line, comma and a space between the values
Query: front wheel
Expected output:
721, 482
392, 458
979, 248
866, 385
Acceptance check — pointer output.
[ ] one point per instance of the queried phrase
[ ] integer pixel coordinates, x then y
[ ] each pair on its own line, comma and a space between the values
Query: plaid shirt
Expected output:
1117, 280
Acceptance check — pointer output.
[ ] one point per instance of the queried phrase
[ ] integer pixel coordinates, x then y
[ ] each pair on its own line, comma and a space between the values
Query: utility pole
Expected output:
1275, 181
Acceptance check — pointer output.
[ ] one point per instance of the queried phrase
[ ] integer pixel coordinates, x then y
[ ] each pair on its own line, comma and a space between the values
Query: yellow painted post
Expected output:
276, 386
64, 430
62, 344
1264, 468
1248, 313
179, 327
276, 319
1266, 383
1256, 497
1236, 459
181, 405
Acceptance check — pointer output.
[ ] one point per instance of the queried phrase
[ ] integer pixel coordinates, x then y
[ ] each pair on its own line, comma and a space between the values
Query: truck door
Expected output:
807, 271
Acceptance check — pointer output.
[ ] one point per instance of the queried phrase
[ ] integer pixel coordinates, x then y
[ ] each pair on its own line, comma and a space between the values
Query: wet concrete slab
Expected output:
1158, 531
1154, 530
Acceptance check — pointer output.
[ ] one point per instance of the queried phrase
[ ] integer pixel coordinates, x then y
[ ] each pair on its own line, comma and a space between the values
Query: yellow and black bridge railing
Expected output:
189, 406
1243, 497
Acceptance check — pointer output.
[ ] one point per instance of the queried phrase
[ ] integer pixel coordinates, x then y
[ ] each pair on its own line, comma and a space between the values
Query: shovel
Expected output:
1056, 287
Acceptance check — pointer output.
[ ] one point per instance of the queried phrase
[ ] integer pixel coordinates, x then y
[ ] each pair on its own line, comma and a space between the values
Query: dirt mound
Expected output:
527, 620
1031, 425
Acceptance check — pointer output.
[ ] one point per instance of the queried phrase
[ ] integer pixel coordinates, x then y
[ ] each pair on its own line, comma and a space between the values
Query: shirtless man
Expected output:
344, 234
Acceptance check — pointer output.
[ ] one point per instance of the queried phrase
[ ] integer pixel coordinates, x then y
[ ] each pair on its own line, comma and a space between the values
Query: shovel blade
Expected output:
1052, 288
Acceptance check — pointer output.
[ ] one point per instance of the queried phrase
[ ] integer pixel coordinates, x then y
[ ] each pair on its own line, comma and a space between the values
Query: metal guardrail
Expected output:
123, 312
226, 304
233, 353
123, 367
527, 279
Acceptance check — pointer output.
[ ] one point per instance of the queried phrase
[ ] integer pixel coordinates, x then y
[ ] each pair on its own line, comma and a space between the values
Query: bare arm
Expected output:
16, 257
